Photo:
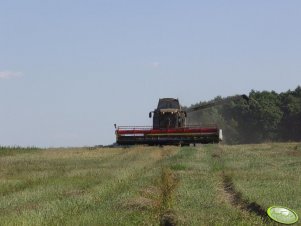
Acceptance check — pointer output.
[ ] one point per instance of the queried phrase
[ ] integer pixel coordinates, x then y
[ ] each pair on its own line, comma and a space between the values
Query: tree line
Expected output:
267, 116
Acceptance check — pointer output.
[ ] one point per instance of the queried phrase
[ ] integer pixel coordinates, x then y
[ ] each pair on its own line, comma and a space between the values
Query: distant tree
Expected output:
267, 116
290, 127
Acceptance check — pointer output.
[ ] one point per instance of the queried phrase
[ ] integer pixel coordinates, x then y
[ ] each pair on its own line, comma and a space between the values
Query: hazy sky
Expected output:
71, 69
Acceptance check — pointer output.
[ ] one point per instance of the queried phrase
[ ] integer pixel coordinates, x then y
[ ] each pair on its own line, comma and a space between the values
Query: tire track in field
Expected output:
234, 197
134, 171
159, 198
237, 200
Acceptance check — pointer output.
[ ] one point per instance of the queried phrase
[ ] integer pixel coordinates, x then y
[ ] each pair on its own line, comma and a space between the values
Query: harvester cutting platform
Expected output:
170, 128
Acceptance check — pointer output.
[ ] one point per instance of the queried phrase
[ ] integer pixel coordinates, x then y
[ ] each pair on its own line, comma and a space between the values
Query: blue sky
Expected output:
69, 69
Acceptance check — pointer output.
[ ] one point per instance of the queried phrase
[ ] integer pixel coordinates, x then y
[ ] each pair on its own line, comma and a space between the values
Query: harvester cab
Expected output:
169, 126
168, 114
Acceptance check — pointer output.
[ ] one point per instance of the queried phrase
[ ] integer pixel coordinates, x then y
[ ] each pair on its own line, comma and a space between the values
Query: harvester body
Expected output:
170, 128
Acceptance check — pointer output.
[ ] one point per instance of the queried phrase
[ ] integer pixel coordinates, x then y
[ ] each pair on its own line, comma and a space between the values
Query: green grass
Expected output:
147, 185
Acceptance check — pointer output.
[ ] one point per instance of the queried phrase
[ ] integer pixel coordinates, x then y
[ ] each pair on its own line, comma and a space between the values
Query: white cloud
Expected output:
10, 74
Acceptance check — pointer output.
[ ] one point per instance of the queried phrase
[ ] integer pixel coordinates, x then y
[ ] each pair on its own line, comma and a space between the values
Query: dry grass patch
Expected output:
139, 203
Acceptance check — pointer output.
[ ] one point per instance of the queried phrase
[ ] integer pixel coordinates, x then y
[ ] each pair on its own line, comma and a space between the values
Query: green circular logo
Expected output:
282, 215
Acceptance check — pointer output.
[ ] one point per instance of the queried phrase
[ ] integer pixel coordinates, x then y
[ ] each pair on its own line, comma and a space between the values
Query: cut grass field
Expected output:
206, 185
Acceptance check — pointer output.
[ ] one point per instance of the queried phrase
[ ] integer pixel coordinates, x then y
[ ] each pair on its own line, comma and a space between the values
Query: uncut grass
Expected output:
78, 186
122, 186
199, 200
269, 174
9, 151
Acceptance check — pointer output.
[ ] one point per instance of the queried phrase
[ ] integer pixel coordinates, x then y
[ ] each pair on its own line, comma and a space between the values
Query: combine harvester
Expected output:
170, 128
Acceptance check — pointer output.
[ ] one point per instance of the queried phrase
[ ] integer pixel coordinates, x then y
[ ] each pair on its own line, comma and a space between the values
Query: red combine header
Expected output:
176, 136
169, 127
